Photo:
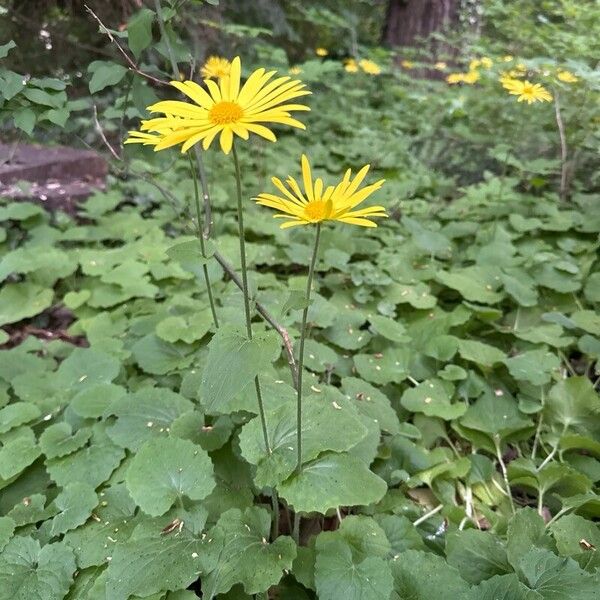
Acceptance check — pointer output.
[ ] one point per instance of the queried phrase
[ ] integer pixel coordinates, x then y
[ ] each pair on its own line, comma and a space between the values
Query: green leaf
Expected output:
331, 481
139, 31
557, 578
570, 530
477, 555
233, 362
86, 367
6, 48
526, 530
23, 300
480, 353
92, 401
573, 402
389, 366
28, 571
58, 440
188, 329
502, 587
433, 398
167, 469
75, 504
424, 576
242, 554
17, 414
104, 74
338, 577
7, 527
145, 414
476, 284
401, 533
12, 84
389, 329
364, 536
534, 366
317, 436
158, 357
588, 320
18, 451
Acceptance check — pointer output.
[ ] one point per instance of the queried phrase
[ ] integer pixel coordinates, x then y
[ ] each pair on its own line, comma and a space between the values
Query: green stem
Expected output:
504, 473
275, 506
240, 216
296, 528
200, 234
309, 280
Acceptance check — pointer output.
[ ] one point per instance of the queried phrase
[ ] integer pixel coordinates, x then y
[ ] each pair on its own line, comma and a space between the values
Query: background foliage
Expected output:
452, 415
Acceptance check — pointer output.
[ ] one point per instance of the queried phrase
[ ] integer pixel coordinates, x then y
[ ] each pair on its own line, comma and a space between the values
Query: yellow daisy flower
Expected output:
321, 51
471, 77
226, 109
486, 62
407, 64
370, 67
215, 67
507, 58
351, 66
455, 78
527, 91
318, 203
566, 77
440, 65
295, 70
474, 64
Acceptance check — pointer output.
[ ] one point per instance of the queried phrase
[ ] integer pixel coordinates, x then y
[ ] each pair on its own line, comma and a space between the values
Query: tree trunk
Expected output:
408, 21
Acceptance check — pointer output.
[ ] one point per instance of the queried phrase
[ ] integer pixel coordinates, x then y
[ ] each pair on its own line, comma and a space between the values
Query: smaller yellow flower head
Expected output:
453, 78
486, 62
407, 64
474, 64
507, 58
295, 70
369, 66
321, 51
471, 77
527, 91
351, 66
566, 76
440, 65
215, 67
316, 203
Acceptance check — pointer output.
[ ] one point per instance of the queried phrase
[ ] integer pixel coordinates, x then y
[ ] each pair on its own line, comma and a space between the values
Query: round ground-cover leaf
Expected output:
92, 402
93, 465
18, 451
571, 530
477, 284
158, 357
389, 328
550, 334
242, 555
319, 357
331, 481
50, 263
233, 362
59, 440
94, 541
371, 403
7, 527
432, 397
364, 536
85, 367
153, 564
495, 416
166, 469
189, 328
557, 578
592, 287
23, 300
534, 366
520, 286
588, 320
389, 366
477, 555
502, 587
339, 577
418, 296
17, 414
145, 414
480, 353
317, 436
75, 504
28, 571
401, 533
31, 510
573, 402
423, 576
346, 331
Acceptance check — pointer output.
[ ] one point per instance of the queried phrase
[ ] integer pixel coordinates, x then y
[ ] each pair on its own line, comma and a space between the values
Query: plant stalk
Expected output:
245, 293
200, 234
309, 280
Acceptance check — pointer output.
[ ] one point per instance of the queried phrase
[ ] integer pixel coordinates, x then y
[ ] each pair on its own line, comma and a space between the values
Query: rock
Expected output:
57, 177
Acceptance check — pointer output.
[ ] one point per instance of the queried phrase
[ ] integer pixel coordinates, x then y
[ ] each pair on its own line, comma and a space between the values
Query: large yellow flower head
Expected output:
527, 91
226, 109
215, 67
369, 66
316, 203
566, 76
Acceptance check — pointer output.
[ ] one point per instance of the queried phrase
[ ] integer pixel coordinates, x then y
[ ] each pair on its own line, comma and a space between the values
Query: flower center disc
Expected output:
316, 210
223, 113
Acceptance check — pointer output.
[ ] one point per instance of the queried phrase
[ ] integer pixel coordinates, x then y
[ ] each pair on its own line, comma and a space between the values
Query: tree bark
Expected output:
409, 21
